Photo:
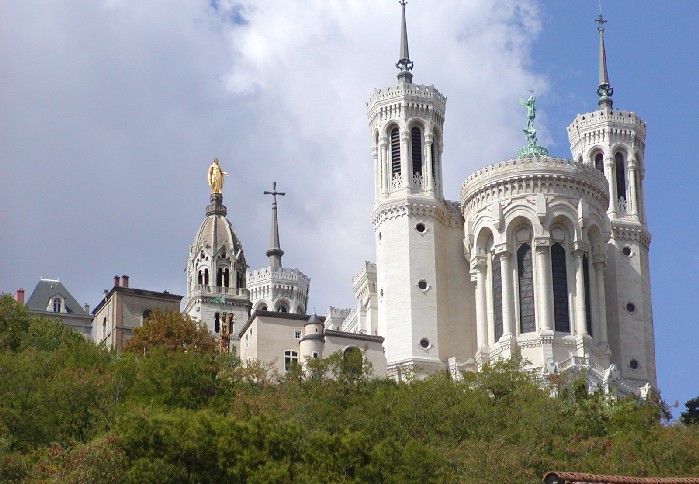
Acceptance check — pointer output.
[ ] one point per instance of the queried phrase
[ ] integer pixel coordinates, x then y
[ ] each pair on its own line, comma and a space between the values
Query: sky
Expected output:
112, 110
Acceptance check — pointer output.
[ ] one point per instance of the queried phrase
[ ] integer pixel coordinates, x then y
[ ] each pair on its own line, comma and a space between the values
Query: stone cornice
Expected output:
631, 231
606, 127
533, 175
448, 213
405, 101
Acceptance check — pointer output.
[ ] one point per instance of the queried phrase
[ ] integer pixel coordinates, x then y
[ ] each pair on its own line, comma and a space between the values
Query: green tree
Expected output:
173, 331
691, 415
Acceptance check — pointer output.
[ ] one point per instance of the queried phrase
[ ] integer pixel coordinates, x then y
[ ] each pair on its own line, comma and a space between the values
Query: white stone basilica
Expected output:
543, 257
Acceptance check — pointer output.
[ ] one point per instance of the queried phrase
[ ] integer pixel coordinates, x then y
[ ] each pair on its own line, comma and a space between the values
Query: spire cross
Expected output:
600, 22
274, 193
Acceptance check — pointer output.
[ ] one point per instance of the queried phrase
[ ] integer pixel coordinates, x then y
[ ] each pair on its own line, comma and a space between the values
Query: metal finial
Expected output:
604, 90
275, 252
404, 63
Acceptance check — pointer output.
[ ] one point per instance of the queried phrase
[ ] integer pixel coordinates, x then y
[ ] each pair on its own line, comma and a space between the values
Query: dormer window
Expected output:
56, 305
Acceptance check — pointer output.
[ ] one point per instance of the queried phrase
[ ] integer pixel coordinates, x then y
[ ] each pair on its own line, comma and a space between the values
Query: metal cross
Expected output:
274, 193
600, 22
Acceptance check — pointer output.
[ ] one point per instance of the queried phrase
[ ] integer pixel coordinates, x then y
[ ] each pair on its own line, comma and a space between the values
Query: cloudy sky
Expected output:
112, 110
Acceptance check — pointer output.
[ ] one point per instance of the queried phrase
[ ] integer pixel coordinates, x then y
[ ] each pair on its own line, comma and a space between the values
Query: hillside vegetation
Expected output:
74, 412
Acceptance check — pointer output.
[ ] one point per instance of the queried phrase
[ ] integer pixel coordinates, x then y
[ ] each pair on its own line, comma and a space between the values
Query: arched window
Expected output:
525, 278
219, 277
560, 288
291, 358
217, 322
620, 176
57, 305
416, 150
226, 277
497, 297
395, 152
240, 280
352, 362
206, 277
599, 162
588, 305
282, 308
200, 278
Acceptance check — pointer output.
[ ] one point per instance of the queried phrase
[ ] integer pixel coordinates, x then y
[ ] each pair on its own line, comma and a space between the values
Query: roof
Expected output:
359, 336
275, 314
136, 292
584, 478
48, 288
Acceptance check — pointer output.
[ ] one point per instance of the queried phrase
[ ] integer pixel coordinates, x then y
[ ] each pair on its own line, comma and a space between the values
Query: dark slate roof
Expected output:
276, 314
45, 290
359, 336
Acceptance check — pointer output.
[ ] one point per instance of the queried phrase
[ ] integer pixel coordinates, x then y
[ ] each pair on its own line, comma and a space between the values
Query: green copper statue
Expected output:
531, 149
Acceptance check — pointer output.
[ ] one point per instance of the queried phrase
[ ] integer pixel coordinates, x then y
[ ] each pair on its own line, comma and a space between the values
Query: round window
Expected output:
633, 364
422, 284
424, 343
631, 307
421, 228
626, 251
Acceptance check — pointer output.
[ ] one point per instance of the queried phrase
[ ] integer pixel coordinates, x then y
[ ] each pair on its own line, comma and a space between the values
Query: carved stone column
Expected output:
633, 191
580, 313
544, 289
480, 266
385, 173
429, 176
600, 263
610, 173
508, 315
405, 165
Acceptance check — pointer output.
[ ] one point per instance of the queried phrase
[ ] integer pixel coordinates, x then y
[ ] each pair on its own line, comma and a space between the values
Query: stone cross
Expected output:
274, 193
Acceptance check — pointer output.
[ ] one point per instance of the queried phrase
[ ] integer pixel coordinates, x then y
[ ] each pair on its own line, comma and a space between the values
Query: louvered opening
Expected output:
395, 152
416, 138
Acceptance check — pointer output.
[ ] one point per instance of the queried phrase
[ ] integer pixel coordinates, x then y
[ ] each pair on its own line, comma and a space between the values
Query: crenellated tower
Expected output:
418, 234
613, 142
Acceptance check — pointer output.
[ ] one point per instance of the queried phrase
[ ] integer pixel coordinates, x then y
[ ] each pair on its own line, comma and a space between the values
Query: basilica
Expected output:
539, 257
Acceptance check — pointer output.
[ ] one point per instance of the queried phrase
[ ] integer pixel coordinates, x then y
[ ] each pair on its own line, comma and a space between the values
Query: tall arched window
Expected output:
588, 305
395, 152
599, 162
497, 297
200, 278
217, 322
226, 277
560, 288
525, 277
206, 277
416, 150
620, 176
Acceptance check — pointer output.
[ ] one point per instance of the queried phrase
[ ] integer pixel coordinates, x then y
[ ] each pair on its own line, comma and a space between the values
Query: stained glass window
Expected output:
599, 162
395, 151
560, 288
525, 275
416, 137
497, 297
588, 305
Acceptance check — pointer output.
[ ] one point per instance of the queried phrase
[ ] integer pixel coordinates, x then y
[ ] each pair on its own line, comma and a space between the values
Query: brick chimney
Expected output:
124, 281
19, 295
116, 281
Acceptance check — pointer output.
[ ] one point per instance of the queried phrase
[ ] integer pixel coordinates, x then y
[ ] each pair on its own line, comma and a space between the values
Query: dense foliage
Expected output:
74, 412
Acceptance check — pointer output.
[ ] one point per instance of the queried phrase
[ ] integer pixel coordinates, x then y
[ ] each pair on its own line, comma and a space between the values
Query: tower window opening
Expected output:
620, 176
217, 322
200, 278
497, 298
626, 251
206, 277
226, 277
219, 277
588, 305
416, 151
525, 275
560, 288
599, 162
395, 152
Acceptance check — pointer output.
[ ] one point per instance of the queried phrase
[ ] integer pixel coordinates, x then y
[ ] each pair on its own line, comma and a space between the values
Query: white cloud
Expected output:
115, 110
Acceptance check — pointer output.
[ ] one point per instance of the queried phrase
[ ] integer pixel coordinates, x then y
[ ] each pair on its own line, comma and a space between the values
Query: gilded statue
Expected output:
216, 175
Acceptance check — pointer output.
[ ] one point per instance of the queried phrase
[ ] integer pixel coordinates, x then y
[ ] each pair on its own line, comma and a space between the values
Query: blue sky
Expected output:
113, 110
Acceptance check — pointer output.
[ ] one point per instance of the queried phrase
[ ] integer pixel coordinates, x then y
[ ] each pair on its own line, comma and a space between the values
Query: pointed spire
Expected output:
604, 91
404, 63
274, 252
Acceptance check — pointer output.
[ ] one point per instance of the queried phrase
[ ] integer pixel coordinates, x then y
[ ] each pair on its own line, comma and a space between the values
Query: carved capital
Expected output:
580, 247
541, 242
502, 250
479, 262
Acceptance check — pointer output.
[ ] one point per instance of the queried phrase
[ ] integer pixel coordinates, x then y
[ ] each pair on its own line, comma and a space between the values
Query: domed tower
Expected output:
419, 248
613, 142
216, 284
277, 288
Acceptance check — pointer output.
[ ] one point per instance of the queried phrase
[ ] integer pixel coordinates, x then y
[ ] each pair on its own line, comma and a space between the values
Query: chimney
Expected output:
86, 308
125, 281
19, 295
116, 281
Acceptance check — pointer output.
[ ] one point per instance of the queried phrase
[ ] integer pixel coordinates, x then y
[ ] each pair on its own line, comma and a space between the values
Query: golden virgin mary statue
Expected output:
216, 175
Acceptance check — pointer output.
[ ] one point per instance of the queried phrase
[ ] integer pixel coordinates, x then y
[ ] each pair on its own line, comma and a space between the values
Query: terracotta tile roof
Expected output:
583, 478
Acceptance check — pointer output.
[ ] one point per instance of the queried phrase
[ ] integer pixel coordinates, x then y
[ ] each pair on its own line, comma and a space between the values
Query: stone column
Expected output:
480, 266
544, 290
385, 172
580, 315
377, 172
429, 176
633, 197
508, 315
405, 165
610, 173
599, 264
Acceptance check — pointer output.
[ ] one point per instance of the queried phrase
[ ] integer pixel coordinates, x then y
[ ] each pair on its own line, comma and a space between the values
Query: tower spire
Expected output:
604, 91
404, 63
274, 252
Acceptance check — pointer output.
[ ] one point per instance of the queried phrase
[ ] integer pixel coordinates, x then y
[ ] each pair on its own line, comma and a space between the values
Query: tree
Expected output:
173, 331
691, 416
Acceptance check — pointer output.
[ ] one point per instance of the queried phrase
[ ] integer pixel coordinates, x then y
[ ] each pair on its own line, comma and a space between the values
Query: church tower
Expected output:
613, 142
418, 234
216, 285
277, 288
